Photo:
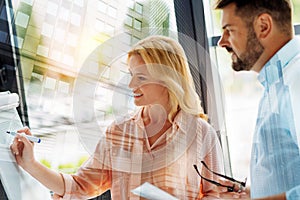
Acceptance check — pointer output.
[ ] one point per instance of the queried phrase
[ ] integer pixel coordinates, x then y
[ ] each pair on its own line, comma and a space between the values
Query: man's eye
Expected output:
229, 31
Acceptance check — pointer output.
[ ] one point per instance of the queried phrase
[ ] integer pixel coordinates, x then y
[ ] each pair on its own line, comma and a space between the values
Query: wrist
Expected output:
31, 165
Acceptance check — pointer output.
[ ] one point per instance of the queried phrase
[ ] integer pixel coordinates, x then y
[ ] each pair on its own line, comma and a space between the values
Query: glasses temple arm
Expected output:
211, 181
224, 176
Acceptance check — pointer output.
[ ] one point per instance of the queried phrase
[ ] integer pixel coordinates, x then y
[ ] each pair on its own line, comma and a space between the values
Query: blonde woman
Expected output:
158, 144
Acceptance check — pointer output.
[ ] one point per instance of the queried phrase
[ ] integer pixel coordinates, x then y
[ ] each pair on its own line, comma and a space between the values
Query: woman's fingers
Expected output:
224, 194
16, 146
25, 130
22, 148
19, 141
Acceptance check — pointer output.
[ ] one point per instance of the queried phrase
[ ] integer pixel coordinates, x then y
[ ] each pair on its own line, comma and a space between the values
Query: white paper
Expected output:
9, 118
8, 100
152, 192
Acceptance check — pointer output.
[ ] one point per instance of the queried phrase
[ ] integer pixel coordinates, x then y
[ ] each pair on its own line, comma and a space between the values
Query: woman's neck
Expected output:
156, 121
154, 114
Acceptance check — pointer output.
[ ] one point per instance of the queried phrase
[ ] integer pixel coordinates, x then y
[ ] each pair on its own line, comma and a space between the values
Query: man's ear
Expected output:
263, 25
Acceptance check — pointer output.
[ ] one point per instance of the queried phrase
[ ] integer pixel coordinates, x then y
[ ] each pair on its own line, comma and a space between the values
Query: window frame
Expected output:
191, 21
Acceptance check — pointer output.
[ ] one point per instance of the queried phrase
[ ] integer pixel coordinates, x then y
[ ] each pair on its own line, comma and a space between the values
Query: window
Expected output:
64, 14
52, 8
134, 39
109, 29
99, 26
22, 19
68, 60
42, 50
66, 26
63, 87
137, 24
75, 19
3, 36
29, 2
112, 11
3, 14
130, 4
127, 39
47, 30
55, 55
79, 2
239, 103
65, 42
296, 16
242, 93
59, 35
36, 76
139, 8
50, 83
128, 20
102, 6
18, 41
72, 39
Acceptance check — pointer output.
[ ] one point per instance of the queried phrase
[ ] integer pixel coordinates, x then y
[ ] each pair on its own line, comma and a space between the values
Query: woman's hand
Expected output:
224, 194
22, 148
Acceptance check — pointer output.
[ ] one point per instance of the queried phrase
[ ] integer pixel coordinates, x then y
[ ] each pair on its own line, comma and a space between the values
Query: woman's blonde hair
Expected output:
166, 61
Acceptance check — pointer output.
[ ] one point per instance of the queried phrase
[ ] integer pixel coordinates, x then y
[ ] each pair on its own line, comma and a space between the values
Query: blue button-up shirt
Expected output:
275, 159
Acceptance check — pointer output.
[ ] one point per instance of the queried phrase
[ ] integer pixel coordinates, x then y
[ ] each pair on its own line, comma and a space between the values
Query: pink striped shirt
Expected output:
124, 159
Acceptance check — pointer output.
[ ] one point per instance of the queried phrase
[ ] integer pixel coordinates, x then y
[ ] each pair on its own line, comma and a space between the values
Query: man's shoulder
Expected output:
292, 70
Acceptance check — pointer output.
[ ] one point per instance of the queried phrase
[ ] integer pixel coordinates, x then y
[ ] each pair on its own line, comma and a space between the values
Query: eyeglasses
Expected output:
241, 184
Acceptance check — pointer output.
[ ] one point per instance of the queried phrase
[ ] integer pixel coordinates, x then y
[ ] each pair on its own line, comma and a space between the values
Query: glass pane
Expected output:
29, 2
296, 17
52, 8
112, 11
242, 93
241, 96
128, 20
137, 24
102, 6
22, 19
64, 39
139, 8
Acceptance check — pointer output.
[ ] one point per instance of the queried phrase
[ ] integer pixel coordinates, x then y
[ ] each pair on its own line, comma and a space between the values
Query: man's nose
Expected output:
223, 41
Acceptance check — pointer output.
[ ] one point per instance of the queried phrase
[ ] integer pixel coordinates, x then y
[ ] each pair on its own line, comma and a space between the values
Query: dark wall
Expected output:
10, 66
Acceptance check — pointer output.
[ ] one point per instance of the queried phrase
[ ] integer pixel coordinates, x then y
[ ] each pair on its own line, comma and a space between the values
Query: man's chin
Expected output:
237, 66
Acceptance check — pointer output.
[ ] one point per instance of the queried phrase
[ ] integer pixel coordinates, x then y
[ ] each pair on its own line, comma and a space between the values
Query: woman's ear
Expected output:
263, 25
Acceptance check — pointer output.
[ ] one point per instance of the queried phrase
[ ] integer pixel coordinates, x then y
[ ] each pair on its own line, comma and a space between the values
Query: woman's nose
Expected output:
132, 83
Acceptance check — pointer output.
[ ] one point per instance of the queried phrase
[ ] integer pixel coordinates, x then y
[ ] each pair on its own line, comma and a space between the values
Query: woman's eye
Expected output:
142, 78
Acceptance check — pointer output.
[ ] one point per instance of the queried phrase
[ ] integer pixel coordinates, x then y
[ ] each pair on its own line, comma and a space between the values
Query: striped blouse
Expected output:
124, 159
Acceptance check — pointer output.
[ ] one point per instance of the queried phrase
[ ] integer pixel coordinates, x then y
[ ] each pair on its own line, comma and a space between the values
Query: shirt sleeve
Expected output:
212, 156
294, 83
92, 178
294, 193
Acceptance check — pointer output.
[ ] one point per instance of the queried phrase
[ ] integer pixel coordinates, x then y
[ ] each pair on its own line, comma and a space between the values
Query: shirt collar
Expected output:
273, 70
180, 119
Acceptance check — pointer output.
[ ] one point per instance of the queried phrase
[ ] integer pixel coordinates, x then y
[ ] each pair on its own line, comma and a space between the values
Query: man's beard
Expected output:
252, 53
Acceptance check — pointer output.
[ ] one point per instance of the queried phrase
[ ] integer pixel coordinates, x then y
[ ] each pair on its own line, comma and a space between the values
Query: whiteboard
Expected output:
17, 183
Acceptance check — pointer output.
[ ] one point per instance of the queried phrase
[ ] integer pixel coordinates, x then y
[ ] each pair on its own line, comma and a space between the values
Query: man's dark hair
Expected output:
280, 10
